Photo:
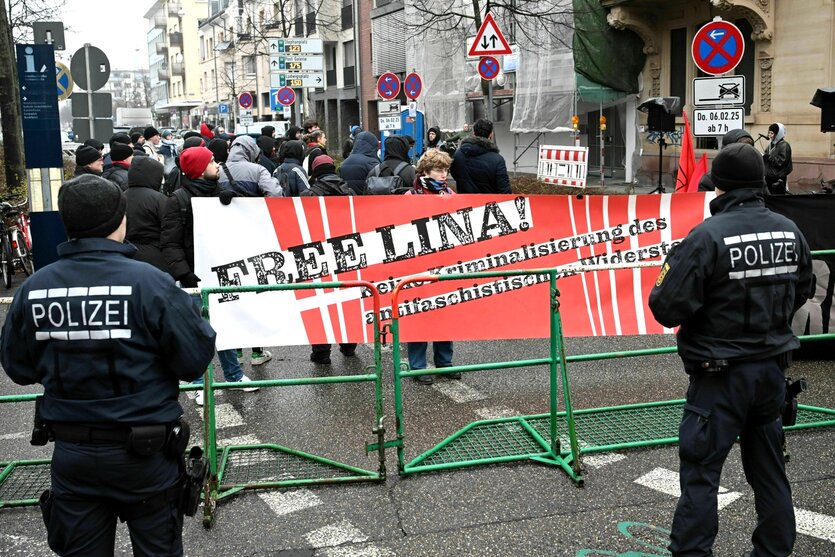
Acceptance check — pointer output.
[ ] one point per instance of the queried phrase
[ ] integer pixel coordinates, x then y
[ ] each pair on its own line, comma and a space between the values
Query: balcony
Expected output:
162, 49
311, 23
330, 78
178, 68
160, 22
347, 17
272, 25
348, 77
175, 39
162, 74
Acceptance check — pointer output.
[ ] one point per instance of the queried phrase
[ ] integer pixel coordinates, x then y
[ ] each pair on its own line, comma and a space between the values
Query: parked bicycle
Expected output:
15, 240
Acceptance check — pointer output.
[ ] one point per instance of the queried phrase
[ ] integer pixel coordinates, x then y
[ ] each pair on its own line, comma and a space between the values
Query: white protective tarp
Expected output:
439, 56
545, 82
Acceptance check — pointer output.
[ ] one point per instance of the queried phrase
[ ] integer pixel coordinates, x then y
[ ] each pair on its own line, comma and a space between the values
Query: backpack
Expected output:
283, 178
387, 185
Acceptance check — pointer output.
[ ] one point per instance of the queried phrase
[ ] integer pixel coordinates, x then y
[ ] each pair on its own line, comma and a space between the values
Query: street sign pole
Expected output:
90, 113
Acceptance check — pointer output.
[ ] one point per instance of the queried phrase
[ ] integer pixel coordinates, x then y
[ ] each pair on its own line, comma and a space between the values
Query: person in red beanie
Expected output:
200, 179
206, 130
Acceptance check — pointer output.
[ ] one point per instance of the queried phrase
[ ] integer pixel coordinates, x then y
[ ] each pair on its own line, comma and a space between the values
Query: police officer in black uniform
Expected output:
733, 285
108, 338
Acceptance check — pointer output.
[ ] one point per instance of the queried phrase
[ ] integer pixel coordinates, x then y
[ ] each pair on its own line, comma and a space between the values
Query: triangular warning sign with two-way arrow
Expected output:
489, 41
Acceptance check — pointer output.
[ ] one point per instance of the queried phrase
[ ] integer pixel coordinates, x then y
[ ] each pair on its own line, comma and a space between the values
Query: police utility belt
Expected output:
783, 360
143, 440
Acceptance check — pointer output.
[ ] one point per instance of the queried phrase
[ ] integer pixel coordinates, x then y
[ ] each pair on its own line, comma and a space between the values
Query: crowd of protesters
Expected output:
160, 179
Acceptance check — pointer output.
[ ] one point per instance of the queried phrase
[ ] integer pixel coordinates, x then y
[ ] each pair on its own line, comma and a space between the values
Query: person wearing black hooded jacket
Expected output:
290, 174
397, 151
477, 166
434, 139
145, 207
360, 162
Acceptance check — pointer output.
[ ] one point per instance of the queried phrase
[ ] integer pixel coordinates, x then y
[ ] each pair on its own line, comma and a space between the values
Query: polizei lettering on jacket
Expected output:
762, 254
81, 313
386, 244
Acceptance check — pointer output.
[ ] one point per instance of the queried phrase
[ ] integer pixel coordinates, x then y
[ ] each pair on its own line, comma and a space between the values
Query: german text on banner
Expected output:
383, 239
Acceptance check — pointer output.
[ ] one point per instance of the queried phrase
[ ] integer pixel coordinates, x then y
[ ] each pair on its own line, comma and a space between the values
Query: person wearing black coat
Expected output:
397, 151
477, 166
324, 182
122, 157
267, 146
145, 207
360, 162
296, 178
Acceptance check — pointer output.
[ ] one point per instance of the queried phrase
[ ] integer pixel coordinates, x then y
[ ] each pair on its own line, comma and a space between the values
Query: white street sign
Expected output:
391, 123
717, 121
297, 63
297, 80
286, 111
388, 107
246, 117
719, 90
295, 46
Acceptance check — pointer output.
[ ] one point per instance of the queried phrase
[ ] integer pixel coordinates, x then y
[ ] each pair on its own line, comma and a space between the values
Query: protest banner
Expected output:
385, 238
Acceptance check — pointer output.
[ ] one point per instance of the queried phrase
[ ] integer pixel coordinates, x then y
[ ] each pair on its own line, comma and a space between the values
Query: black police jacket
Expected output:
734, 283
108, 337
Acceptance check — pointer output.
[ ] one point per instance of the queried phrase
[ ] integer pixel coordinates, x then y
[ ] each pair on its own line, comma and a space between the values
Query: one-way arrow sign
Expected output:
489, 41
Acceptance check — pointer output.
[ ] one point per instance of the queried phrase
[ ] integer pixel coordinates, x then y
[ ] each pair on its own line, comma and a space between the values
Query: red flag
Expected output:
700, 170
687, 160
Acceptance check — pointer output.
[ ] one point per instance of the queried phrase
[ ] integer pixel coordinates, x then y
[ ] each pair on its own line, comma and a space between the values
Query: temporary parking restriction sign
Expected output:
388, 85
718, 47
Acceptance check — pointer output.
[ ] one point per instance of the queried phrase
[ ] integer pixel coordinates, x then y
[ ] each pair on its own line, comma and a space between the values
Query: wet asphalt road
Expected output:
510, 509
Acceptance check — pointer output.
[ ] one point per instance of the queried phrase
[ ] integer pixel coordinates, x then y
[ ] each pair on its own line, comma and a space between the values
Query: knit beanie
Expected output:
738, 166
220, 149
146, 171
194, 161
266, 144
774, 128
189, 134
120, 137
95, 143
268, 131
120, 152
135, 137
322, 164
85, 155
193, 141
150, 132
91, 207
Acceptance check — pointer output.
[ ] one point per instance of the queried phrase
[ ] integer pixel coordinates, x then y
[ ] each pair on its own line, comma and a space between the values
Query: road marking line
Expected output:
600, 460
815, 524
11, 436
667, 481
335, 534
227, 416
286, 502
367, 551
493, 412
458, 391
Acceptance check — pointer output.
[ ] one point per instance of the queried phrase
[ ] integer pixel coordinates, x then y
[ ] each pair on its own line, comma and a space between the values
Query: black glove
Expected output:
189, 280
226, 196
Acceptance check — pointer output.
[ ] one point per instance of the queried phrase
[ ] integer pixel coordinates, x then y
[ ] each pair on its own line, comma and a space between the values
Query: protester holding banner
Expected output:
200, 179
733, 285
324, 182
432, 171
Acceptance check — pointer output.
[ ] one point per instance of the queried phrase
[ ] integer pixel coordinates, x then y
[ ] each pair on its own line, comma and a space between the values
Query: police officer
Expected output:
733, 285
108, 338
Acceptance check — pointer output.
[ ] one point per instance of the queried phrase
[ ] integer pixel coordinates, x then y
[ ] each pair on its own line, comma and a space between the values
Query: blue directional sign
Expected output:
223, 109
275, 106
39, 106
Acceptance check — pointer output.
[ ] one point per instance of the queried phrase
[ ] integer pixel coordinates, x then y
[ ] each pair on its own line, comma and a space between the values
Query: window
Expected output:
348, 53
249, 65
347, 14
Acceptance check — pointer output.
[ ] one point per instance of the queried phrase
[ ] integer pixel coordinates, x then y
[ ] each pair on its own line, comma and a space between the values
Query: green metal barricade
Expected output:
535, 437
502, 440
237, 467
270, 466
